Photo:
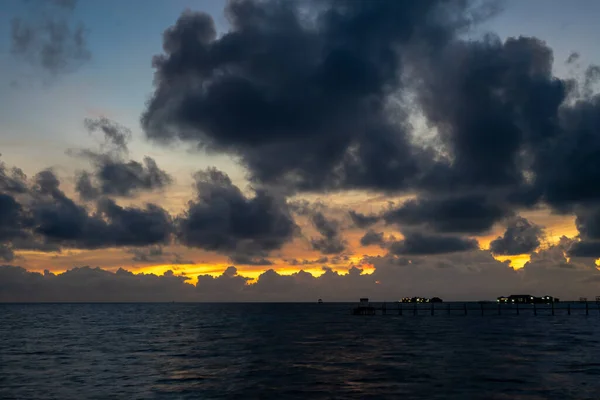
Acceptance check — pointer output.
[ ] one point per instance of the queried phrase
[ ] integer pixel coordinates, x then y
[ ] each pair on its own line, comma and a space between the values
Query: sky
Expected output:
287, 151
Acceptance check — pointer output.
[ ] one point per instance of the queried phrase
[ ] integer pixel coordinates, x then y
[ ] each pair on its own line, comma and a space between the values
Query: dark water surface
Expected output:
286, 351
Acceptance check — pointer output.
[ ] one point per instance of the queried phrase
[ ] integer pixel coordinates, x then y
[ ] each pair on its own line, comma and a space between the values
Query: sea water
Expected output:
292, 351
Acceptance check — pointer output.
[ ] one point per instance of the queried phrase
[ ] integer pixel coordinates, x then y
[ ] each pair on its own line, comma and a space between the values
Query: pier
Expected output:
587, 308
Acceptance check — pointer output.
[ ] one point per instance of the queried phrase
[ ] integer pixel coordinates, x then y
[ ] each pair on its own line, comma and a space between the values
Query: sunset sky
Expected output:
385, 148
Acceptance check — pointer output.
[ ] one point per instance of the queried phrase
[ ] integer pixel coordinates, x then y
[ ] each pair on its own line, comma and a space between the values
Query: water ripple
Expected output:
264, 351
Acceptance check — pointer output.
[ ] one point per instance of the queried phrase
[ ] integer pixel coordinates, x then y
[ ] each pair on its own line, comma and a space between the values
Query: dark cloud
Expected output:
421, 244
462, 214
295, 262
489, 105
114, 174
322, 101
330, 241
115, 178
573, 57
566, 170
58, 219
310, 96
157, 254
242, 259
91, 285
474, 275
44, 218
150, 254
12, 218
371, 237
6, 253
588, 223
47, 36
12, 180
520, 237
363, 220
224, 220
586, 249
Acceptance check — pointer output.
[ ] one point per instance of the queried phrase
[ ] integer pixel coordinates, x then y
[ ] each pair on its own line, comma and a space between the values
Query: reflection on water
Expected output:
204, 351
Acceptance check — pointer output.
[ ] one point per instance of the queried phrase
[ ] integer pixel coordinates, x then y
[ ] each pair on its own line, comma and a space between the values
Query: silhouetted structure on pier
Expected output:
527, 299
364, 308
421, 300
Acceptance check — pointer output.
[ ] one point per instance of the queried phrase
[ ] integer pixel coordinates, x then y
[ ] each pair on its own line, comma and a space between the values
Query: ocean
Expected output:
292, 351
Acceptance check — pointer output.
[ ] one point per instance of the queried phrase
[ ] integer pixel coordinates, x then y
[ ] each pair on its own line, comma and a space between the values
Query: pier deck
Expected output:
483, 308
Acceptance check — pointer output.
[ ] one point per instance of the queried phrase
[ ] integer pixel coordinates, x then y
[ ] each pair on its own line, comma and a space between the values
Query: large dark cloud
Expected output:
520, 237
309, 92
47, 36
114, 174
488, 104
321, 101
223, 219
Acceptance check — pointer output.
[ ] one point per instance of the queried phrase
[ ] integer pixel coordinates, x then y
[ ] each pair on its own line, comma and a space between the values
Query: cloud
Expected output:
114, 174
330, 241
371, 237
362, 220
92, 285
48, 37
157, 254
116, 136
588, 223
310, 96
321, 260
242, 259
6, 253
520, 237
224, 220
415, 243
124, 179
458, 214
13, 180
40, 216
587, 249
573, 57
149, 254
475, 275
